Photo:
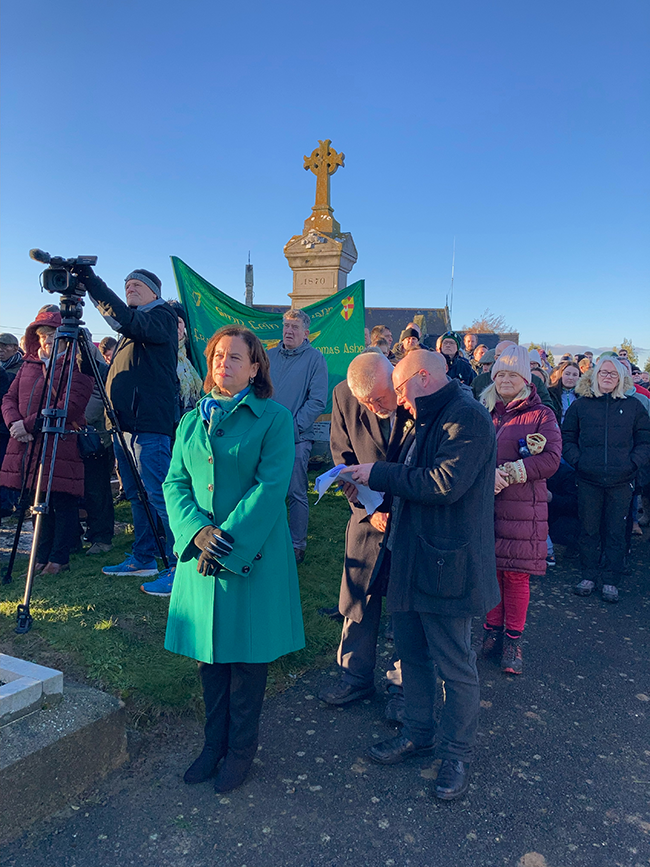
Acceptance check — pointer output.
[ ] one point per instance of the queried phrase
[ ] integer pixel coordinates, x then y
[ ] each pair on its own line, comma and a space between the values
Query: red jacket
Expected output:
22, 402
521, 511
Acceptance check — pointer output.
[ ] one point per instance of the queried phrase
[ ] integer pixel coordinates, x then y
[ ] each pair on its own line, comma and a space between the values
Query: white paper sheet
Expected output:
370, 500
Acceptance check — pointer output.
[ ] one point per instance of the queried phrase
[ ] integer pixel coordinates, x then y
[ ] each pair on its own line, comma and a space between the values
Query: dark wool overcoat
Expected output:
521, 511
356, 438
22, 401
443, 550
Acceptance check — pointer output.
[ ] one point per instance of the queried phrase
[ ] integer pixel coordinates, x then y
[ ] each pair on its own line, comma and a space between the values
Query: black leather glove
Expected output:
87, 276
215, 541
212, 542
207, 565
83, 272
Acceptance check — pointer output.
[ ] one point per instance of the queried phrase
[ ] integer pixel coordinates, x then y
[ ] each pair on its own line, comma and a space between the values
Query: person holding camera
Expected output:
141, 385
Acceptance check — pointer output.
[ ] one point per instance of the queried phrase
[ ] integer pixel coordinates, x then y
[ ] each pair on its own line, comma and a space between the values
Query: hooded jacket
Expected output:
521, 511
606, 439
300, 383
141, 383
23, 401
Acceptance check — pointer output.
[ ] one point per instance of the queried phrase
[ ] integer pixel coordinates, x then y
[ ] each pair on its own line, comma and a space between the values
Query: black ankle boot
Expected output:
247, 684
233, 771
203, 767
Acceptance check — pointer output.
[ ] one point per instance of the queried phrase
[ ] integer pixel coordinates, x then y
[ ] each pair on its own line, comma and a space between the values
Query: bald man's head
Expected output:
498, 349
418, 374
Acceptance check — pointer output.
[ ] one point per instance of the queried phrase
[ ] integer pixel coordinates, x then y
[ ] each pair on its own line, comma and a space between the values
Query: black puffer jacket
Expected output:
142, 382
443, 551
606, 440
460, 368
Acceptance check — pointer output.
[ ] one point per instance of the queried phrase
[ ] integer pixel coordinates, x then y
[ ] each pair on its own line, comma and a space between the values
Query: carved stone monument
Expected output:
322, 257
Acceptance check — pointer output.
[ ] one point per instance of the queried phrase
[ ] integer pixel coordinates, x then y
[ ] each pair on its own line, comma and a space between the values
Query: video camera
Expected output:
60, 276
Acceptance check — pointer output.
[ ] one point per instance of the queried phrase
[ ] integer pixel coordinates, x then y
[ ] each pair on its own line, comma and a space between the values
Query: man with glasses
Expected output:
441, 539
367, 425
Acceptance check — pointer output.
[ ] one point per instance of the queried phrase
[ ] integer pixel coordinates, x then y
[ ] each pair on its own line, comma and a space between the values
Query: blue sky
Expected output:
137, 130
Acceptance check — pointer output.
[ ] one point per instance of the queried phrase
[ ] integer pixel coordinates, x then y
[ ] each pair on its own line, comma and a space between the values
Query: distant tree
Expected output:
647, 366
631, 353
489, 322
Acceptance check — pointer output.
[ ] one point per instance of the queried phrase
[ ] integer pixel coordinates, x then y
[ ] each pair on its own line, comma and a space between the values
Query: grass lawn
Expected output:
108, 633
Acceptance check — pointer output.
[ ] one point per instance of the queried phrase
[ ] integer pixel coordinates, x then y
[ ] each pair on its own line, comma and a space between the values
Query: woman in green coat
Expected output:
235, 603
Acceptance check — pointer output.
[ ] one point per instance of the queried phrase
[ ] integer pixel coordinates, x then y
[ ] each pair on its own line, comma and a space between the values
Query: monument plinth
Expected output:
323, 256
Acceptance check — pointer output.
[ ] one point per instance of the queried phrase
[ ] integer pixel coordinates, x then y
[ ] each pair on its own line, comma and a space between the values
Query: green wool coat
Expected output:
236, 477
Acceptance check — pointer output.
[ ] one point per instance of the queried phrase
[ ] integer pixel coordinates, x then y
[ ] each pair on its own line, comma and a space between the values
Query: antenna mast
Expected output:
450, 297
249, 282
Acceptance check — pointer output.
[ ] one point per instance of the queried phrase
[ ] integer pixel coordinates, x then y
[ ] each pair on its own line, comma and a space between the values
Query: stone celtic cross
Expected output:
323, 162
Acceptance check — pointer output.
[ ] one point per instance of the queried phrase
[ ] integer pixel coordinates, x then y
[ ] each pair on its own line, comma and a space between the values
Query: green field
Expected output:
106, 632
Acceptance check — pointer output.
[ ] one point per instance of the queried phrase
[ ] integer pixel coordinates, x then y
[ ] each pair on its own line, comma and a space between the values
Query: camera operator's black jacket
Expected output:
142, 382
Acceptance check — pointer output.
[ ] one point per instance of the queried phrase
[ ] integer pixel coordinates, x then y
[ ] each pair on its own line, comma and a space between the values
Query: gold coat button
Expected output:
211, 487
210, 460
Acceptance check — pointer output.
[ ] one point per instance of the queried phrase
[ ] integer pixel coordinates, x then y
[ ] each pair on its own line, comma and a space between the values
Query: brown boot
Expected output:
55, 568
492, 642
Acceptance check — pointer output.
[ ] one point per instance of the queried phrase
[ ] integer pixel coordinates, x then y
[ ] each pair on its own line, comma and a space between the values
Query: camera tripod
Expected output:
54, 417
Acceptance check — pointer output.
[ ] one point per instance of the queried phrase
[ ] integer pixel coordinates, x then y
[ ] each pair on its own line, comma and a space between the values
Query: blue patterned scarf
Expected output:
217, 406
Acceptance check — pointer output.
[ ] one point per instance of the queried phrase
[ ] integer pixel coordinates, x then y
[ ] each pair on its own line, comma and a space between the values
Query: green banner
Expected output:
337, 322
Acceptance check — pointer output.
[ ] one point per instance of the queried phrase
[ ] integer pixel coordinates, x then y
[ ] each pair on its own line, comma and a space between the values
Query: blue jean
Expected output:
152, 454
297, 495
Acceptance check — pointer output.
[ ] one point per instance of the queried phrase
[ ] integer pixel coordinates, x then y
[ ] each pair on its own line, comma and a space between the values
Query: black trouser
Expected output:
59, 529
233, 693
426, 642
603, 517
98, 497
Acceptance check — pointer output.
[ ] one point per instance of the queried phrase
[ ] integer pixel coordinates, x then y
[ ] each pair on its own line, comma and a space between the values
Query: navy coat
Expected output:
443, 550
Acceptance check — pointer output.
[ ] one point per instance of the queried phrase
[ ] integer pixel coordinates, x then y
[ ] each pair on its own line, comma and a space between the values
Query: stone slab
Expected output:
26, 687
50, 757
51, 678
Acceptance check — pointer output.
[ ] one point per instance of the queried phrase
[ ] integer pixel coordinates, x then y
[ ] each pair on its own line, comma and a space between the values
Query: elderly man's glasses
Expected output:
399, 389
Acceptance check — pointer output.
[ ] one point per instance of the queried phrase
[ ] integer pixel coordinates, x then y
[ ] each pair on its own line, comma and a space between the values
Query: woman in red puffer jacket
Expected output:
20, 410
529, 448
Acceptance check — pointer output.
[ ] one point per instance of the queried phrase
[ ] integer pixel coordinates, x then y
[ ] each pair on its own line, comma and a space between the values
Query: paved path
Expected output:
561, 778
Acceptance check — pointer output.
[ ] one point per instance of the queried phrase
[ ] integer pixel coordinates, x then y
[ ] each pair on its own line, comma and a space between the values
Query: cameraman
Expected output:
141, 385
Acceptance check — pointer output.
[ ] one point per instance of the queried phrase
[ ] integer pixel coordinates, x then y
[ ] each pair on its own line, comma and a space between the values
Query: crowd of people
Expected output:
484, 459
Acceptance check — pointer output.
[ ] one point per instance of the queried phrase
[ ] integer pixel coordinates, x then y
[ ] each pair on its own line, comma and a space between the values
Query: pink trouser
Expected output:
515, 595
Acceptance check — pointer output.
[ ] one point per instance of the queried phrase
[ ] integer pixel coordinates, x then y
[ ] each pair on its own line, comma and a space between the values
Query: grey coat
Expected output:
443, 548
300, 382
356, 438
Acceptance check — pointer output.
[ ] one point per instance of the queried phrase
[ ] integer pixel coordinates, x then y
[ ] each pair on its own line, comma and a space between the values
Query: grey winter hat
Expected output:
488, 358
8, 339
148, 278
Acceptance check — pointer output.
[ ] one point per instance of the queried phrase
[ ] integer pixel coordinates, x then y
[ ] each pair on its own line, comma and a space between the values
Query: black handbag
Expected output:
89, 442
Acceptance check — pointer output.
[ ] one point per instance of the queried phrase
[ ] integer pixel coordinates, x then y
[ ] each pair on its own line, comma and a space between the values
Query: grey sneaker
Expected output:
609, 593
584, 588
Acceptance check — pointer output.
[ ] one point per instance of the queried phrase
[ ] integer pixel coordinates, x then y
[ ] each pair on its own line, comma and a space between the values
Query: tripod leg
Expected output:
54, 425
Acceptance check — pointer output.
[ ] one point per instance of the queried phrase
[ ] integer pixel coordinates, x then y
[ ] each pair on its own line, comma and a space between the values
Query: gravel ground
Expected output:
561, 776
